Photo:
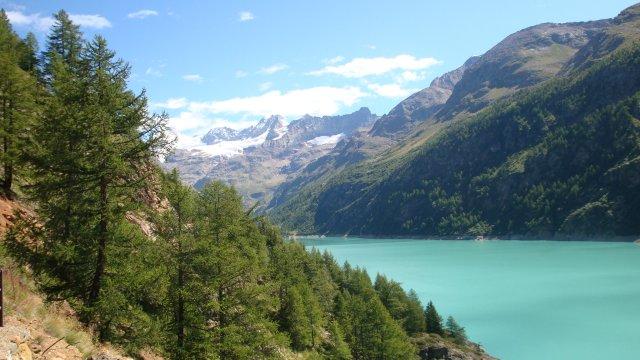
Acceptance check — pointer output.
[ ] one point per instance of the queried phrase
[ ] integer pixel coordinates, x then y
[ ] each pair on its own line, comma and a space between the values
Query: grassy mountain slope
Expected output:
561, 157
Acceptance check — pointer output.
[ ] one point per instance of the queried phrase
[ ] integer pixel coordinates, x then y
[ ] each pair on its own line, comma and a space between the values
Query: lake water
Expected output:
520, 299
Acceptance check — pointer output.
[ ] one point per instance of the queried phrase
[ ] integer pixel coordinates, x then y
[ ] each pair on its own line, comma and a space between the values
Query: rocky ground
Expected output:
435, 347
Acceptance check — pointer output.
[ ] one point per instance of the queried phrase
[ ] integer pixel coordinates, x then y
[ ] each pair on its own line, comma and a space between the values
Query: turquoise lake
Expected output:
520, 299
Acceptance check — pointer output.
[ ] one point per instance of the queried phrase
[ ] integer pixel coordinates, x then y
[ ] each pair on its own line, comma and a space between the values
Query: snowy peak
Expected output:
217, 135
272, 125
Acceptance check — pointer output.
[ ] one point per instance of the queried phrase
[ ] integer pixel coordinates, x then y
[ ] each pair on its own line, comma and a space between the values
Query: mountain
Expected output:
259, 158
387, 131
540, 137
217, 135
523, 59
421, 105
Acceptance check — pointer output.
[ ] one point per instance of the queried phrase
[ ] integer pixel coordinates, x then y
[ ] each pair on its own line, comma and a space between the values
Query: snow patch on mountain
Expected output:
230, 148
326, 140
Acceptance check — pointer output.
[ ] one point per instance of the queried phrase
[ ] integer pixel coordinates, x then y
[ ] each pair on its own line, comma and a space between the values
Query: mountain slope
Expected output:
525, 58
547, 160
386, 132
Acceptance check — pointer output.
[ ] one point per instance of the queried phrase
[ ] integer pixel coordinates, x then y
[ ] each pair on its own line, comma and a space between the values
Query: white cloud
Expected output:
362, 67
409, 76
335, 60
141, 14
156, 69
194, 119
391, 90
246, 16
90, 21
193, 78
273, 69
172, 103
241, 73
321, 100
43, 23
36, 21
265, 86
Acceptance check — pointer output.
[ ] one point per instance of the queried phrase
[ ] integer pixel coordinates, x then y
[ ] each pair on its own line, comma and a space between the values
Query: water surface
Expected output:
520, 299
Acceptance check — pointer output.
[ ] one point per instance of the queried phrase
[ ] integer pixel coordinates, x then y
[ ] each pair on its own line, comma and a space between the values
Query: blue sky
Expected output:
213, 63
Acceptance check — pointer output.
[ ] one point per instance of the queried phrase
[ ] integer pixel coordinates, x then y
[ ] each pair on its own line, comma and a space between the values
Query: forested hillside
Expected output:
148, 263
556, 159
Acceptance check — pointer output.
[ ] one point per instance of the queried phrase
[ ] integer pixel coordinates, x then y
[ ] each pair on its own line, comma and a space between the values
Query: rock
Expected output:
11, 338
435, 352
24, 353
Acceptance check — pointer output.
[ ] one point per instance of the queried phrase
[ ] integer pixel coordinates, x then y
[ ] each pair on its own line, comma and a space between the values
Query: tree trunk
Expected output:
102, 243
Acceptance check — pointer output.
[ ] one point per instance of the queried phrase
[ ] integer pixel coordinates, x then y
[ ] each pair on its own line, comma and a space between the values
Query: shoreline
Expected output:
574, 238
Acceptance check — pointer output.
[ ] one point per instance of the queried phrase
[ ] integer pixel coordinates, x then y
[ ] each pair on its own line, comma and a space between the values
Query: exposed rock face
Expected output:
522, 59
421, 105
266, 154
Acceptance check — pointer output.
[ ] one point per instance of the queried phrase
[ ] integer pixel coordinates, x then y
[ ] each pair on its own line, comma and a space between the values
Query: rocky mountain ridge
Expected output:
259, 158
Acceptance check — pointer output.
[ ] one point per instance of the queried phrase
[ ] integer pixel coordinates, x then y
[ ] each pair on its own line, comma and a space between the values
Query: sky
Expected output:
229, 63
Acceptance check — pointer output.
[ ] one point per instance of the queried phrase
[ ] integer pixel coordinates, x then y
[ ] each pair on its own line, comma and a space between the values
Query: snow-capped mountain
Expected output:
219, 134
260, 157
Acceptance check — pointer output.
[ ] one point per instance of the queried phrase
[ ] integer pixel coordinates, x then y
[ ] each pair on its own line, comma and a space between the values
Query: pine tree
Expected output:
337, 349
18, 108
55, 166
370, 330
122, 137
433, 320
414, 319
404, 308
456, 331
232, 263
64, 43
89, 161
175, 228
303, 317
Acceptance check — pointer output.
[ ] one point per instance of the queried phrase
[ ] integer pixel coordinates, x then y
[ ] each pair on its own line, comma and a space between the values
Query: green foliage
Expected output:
403, 307
455, 330
18, 92
433, 320
337, 348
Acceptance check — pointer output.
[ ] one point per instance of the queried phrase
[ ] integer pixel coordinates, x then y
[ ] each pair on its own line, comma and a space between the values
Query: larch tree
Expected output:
18, 106
433, 319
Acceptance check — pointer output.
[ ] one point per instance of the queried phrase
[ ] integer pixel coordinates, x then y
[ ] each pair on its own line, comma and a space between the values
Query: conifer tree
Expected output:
64, 43
88, 161
303, 317
433, 319
337, 349
175, 227
370, 330
18, 107
232, 263
414, 320
456, 331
